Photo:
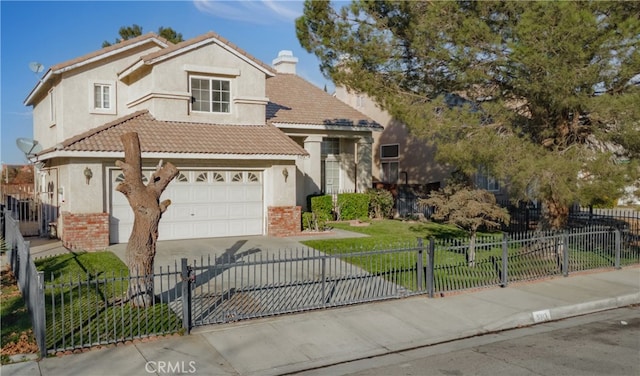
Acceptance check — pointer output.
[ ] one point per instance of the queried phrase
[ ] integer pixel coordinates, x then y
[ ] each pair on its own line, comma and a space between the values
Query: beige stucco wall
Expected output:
74, 99
167, 87
278, 190
78, 196
163, 89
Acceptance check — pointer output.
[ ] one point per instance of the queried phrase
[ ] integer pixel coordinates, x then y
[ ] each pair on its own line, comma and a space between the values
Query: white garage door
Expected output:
203, 204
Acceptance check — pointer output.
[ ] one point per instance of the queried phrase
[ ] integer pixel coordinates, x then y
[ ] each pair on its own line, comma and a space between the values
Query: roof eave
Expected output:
330, 127
38, 88
204, 42
51, 154
50, 73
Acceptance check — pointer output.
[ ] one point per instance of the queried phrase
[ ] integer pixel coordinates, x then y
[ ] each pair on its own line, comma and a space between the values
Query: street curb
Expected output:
518, 320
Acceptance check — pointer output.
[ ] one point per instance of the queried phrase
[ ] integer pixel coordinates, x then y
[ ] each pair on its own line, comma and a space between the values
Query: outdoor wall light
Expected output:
285, 173
88, 174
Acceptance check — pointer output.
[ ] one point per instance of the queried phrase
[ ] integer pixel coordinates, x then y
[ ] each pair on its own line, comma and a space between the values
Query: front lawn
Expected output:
86, 303
387, 233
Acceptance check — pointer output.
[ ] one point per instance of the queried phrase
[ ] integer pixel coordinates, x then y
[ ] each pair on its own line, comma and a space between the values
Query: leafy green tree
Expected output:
543, 95
129, 32
469, 209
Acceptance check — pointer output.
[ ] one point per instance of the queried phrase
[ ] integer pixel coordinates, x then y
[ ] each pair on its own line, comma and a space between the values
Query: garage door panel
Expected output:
253, 193
213, 207
180, 193
177, 213
237, 210
253, 226
238, 193
219, 193
218, 211
200, 194
253, 210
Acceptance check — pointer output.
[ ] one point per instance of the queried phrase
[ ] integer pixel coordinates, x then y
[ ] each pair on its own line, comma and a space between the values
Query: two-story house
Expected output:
251, 141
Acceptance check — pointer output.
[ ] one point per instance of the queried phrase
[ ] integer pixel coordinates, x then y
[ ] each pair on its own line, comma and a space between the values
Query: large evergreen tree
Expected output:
544, 95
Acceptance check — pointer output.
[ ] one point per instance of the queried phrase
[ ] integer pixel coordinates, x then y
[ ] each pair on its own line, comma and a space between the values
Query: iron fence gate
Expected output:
231, 288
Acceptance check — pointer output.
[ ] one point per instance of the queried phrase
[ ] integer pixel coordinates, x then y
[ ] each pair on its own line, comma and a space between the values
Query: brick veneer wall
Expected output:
284, 220
86, 231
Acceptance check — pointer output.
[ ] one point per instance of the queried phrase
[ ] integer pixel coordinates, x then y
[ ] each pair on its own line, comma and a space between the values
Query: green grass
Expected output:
451, 269
385, 233
86, 302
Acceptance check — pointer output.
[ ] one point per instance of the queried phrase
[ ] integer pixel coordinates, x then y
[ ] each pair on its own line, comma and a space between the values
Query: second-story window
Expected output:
101, 96
210, 95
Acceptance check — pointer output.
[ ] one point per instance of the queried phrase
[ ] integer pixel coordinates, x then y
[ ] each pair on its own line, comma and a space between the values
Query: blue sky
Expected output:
52, 32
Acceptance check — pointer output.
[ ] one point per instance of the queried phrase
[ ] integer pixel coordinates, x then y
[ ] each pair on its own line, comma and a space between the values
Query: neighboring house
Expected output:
403, 161
251, 141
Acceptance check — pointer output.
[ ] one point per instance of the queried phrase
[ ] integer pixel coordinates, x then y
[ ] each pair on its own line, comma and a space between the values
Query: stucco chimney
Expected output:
285, 62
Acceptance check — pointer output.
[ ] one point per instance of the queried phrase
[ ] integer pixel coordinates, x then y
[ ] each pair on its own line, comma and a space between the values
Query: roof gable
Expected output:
101, 54
194, 43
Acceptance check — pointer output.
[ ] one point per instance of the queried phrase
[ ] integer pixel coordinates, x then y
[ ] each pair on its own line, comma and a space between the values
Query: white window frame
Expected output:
211, 79
111, 85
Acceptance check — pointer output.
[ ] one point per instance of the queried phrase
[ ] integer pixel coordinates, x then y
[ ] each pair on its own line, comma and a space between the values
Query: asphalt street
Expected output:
604, 343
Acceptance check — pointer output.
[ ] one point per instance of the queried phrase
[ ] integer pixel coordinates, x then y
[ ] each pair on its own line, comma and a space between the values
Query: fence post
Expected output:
186, 295
41, 320
565, 254
618, 246
505, 259
324, 280
419, 265
432, 248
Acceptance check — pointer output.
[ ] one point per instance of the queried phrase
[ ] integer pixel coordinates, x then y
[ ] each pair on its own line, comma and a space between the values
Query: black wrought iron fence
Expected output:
88, 310
91, 310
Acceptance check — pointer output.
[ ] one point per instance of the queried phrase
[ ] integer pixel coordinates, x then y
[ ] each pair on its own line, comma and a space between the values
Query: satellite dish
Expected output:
36, 67
28, 146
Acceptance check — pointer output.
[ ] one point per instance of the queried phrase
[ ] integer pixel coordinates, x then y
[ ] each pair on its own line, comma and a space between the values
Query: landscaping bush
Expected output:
380, 203
353, 206
322, 207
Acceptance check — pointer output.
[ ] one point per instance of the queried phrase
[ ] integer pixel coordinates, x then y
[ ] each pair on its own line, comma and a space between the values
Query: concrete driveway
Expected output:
169, 252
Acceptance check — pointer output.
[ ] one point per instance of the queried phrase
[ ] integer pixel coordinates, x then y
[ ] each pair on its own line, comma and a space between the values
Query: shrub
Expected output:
380, 203
353, 206
313, 222
322, 206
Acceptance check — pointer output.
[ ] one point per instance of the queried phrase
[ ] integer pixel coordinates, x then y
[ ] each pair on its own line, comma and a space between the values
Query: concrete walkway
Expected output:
297, 342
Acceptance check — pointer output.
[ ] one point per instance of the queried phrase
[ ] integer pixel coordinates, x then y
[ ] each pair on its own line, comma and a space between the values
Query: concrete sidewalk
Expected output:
297, 342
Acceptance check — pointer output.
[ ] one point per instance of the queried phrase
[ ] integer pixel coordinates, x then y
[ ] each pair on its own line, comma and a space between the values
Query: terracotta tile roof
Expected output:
182, 137
201, 38
293, 100
105, 50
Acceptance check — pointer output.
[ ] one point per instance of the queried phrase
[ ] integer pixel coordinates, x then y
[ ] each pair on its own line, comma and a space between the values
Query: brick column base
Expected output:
284, 220
85, 231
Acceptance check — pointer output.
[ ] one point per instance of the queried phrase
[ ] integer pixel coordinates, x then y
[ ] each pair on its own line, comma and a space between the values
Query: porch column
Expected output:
312, 182
364, 160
